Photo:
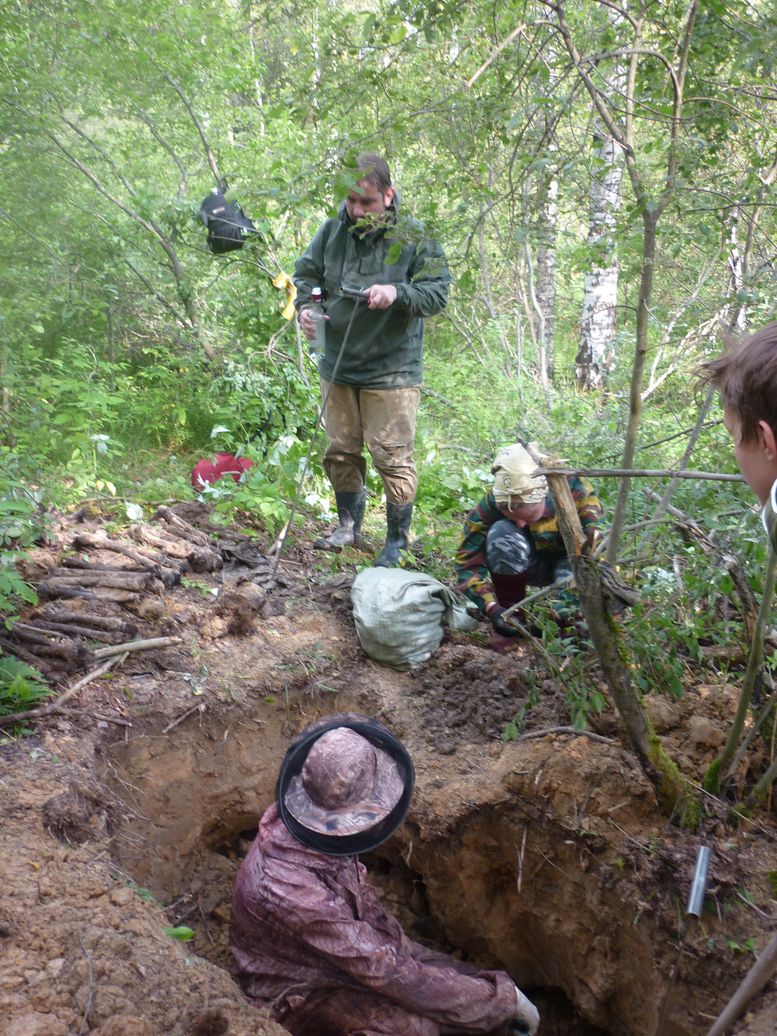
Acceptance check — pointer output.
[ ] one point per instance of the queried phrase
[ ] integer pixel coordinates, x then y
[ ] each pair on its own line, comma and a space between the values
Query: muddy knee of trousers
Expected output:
398, 472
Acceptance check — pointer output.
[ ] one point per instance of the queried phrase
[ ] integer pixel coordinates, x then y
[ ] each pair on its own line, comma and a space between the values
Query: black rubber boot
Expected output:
350, 511
398, 519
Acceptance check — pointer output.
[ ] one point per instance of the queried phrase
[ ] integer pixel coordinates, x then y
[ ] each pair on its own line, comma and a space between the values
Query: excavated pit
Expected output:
476, 869
190, 813
547, 856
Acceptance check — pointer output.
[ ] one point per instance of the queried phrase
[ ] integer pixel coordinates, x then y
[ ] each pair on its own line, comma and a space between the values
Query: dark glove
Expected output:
500, 626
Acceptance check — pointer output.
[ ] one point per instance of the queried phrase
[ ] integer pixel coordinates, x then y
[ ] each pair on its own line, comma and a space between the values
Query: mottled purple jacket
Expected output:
304, 923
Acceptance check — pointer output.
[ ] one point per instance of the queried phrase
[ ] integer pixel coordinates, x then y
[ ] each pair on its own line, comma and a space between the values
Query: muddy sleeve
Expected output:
426, 292
472, 575
378, 958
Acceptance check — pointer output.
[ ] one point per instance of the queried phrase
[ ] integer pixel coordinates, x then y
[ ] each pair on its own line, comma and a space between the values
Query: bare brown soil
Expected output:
546, 855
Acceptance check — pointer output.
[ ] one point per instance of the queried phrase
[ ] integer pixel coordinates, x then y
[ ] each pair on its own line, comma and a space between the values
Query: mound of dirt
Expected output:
529, 845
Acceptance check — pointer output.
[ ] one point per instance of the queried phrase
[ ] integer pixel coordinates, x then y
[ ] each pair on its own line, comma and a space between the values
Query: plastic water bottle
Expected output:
316, 310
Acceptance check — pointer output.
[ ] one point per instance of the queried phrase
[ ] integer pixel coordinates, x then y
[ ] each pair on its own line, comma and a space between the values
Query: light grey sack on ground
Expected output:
399, 615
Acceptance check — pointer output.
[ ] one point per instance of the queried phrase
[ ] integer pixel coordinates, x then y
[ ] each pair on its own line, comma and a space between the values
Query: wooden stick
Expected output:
137, 645
169, 576
175, 548
715, 476
72, 630
45, 590
103, 622
200, 559
182, 527
199, 707
34, 633
95, 593
101, 541
753, 982
565, 730
55, 706
40, 645
51, 672
82, 565
115, 578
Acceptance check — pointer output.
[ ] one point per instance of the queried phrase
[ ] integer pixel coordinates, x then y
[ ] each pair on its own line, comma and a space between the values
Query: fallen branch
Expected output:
103, 622
137, 645
50, 589
199, 707
753, 982
715, 476
175, 548
34, 634
72, 630
566, 730
145, 557
74, 652
82, 565
116, 578
56, 706
181, 527
51, 672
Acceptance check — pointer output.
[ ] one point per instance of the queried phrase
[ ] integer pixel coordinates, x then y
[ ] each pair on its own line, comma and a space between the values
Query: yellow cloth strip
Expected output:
284, 283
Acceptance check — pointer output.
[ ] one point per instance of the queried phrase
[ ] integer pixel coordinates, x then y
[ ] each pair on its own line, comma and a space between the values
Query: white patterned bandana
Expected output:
514, 479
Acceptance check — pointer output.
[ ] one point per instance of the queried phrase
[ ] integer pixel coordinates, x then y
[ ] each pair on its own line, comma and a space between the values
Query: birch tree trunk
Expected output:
597, 324
736, 265
546, 268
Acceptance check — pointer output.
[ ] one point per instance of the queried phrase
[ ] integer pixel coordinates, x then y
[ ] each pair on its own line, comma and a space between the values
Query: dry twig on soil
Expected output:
56, 706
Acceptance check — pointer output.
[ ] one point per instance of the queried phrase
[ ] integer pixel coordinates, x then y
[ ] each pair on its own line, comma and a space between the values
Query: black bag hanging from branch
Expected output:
227, 224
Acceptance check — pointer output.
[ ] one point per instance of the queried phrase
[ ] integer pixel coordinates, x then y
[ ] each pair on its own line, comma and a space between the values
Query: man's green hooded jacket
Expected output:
385, 346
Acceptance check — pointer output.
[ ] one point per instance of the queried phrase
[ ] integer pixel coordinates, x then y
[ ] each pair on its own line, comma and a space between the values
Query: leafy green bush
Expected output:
21, 686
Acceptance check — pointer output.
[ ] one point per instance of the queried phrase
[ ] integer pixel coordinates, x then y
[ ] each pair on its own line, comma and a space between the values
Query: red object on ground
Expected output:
206, 472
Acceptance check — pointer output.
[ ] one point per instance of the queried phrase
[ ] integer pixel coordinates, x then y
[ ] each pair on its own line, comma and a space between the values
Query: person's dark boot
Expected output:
350, 511
398, 518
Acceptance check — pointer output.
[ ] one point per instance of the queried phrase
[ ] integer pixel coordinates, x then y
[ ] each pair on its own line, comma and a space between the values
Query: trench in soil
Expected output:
190, 808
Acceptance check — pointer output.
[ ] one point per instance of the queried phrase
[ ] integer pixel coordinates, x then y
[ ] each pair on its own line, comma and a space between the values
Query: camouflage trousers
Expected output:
383, 420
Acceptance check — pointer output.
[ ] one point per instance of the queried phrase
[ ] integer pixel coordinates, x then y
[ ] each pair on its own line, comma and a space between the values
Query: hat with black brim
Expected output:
344, 786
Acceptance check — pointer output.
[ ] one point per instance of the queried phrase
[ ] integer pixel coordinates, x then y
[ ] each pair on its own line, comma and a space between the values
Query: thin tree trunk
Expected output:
674, 793
635, 392
546, 267
597, 330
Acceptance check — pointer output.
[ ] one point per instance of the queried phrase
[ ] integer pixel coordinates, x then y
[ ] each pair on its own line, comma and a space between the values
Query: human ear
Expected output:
768, 440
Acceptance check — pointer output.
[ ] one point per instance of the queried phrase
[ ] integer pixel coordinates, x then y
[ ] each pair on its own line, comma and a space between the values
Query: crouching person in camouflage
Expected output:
512, 540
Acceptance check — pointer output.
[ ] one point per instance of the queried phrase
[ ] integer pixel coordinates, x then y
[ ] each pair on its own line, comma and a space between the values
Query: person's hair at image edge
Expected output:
746, 377
374, 170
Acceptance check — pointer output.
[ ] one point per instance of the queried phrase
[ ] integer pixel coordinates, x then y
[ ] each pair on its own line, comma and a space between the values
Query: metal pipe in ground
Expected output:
692, 909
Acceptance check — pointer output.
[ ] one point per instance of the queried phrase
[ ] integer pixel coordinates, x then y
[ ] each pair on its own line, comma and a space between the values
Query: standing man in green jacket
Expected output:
381, 277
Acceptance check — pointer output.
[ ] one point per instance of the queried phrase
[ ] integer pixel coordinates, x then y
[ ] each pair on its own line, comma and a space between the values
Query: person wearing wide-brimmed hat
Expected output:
311, 940
512, 540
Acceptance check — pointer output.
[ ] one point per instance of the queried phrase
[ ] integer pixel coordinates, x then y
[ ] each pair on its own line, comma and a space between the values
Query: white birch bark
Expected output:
598, 323
545, 288
736, 265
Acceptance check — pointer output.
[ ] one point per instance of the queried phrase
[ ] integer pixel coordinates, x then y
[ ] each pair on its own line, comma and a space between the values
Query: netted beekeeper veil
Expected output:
344, 785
